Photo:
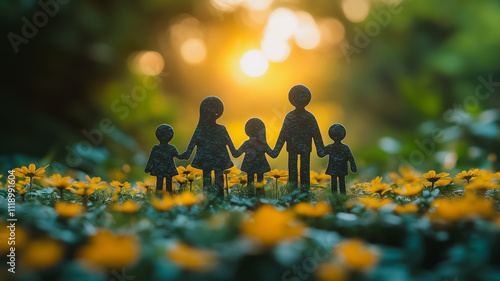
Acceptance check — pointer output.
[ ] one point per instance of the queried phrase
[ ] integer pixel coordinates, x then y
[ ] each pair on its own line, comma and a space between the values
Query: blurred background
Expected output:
85, 83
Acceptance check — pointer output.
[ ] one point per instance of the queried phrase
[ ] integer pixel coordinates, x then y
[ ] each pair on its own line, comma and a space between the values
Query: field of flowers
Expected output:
406, 225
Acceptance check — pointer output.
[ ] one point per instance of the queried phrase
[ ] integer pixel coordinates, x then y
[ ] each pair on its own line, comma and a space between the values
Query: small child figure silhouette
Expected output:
161, 160
339, 154
255, 149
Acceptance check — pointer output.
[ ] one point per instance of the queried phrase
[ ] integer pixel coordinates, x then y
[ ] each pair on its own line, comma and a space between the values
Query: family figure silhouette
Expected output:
212, 142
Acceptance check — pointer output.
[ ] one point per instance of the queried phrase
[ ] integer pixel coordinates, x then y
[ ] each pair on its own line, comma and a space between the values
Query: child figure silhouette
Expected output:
211, 140
339, 154
255, 149
161, 160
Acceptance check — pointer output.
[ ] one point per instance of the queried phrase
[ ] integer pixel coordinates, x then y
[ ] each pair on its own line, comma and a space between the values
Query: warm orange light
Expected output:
193, 51
355, 10
254, 63
275, 49
149, 62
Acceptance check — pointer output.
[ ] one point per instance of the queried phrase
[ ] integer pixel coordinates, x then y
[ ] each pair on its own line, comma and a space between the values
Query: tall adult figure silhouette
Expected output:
299, 129
211, 141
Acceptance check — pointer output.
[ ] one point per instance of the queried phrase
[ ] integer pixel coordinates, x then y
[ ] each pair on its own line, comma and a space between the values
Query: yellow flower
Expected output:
376, 186
110, 251
164, 204
83, 188
329, 271
21, 237
126, 207
241, 180
468, 207
406, 175
467, 175
186, 198
374, 203
278, 175
30, 172
192, 259
231, 172
435, 180
270, 226
495, 175
408, 189
120, 187
41, 254
21, 186
357, 255
179, 179
260, 184
189, 170
481, 185
408, 208
96, 181
309, 210
319, 180
68, 210
59, 182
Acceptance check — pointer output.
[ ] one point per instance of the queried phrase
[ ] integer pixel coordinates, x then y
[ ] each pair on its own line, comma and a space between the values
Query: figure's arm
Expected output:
318, 140
322, 151
192, 143
230, 143
149, 165
354, 169
281, 138
176, 152
238, 152
271, 152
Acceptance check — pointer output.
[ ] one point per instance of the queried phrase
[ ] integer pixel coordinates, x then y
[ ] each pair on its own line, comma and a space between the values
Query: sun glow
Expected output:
254, 63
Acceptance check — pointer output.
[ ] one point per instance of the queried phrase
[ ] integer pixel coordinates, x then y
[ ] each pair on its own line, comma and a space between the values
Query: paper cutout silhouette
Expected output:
161, 159
339, 156
255, 149
299, 129
211, 141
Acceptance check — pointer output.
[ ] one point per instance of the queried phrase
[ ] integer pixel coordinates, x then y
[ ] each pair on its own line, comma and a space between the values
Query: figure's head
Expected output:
211, 108
164, 133
254, 126
337, 132
299, 96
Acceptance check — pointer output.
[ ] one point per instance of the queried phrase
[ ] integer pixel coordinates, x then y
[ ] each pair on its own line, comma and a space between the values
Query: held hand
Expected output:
354, 169
147, 170
274, 153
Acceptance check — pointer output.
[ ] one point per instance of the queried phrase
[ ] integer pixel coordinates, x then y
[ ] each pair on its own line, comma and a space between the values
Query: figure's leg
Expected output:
207, 180
260, 179
219, 183
305, 172
293, 173
159, 184
168, 183
334, 184
250, 184
342, 184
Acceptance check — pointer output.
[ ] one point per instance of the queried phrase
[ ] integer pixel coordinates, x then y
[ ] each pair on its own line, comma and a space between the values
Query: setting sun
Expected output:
254, 63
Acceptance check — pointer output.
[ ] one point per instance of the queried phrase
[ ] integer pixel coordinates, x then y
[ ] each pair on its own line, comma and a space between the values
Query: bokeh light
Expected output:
148, 62
355, 10
307, 34
254, 63
193, 51
275, 49
282, 23
258, 4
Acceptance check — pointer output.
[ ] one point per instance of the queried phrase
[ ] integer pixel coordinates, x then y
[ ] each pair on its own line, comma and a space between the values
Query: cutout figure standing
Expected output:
161, 159
255, 149
211, 140
339, 156
299, 129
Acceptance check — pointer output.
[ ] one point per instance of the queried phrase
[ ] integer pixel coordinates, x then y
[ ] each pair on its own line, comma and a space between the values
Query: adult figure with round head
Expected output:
211, 141
299, 129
